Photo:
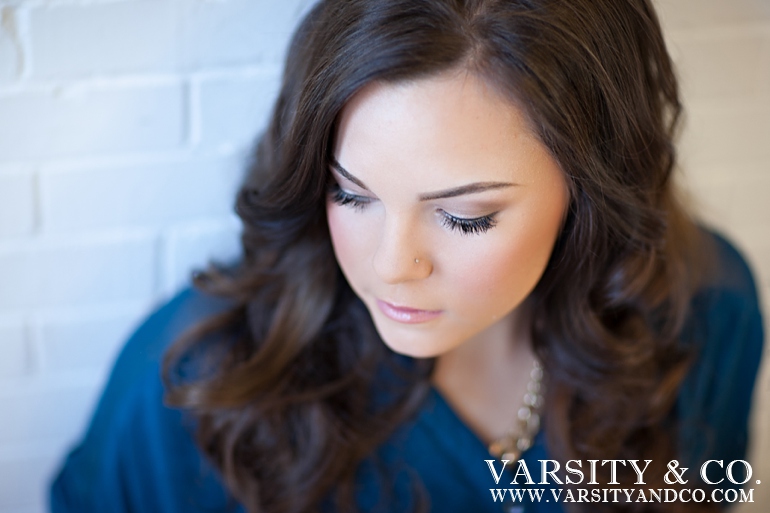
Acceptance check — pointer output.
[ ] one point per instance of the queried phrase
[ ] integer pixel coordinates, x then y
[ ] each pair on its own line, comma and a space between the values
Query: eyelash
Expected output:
469, 226
343, 198
465, 226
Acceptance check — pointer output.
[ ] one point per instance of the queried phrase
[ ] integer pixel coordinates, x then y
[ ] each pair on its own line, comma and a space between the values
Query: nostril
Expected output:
392, 267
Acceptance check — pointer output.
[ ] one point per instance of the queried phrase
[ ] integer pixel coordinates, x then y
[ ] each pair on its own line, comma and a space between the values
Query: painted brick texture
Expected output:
17, 204
103, 39
124, 128
79, 121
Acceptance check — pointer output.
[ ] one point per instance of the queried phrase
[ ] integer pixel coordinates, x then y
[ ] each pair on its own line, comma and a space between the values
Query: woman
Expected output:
461, 219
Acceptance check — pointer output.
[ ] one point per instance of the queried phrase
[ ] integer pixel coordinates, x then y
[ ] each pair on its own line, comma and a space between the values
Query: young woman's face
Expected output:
445, 210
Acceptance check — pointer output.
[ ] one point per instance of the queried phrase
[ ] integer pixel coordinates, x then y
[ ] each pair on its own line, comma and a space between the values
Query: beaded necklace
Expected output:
522, 434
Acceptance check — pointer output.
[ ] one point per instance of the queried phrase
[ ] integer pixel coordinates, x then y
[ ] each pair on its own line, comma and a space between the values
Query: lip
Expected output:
405, 314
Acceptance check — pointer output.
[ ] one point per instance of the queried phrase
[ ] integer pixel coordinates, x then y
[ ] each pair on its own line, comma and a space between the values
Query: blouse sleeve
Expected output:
715, 400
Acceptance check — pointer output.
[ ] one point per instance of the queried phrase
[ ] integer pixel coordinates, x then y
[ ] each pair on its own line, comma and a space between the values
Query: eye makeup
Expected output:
466, 226
347, 199
469, 226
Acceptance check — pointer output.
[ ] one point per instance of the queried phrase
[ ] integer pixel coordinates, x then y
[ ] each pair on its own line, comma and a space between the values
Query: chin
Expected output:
414, 348
414, 352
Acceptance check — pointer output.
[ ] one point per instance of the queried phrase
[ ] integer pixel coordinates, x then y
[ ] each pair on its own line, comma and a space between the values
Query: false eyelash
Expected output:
469, 226
343, 198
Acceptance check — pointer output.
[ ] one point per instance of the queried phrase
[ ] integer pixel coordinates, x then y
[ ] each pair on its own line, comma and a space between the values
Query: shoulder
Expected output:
729, 272
138, 364
726, 336
138, 454
725, 311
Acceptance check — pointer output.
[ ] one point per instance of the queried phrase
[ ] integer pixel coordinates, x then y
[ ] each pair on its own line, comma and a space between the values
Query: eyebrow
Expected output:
447, 193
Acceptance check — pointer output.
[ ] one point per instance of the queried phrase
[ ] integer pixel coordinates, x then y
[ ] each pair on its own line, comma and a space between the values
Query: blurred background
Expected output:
124, 126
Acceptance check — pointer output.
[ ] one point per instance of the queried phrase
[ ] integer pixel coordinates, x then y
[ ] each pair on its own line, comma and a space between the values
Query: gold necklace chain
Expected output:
522, 435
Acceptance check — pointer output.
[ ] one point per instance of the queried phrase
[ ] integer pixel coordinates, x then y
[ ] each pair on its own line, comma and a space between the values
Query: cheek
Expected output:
497, 276
494, 281
338, 233
348, 240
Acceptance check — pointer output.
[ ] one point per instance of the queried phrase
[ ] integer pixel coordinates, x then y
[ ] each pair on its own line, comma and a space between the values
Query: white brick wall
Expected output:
186, 247
123, 130
79, 120
71, 341
76, 271
22, 478
231, 107
216, 34
9, 50
149, 194
122, 37
16, 359
124, 125
17, 204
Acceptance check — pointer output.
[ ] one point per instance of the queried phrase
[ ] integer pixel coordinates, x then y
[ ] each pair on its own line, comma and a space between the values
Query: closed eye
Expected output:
469, 226
345, 198
476, 225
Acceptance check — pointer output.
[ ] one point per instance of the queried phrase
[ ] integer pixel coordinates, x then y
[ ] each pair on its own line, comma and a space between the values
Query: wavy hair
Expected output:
283, 384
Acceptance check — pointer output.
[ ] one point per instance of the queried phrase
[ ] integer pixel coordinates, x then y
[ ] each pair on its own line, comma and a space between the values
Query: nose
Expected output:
401, 255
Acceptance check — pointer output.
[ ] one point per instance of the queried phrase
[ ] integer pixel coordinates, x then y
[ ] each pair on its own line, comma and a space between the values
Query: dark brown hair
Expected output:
282, 384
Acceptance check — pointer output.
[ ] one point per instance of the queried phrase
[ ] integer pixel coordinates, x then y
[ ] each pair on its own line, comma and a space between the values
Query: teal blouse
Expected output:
139, 456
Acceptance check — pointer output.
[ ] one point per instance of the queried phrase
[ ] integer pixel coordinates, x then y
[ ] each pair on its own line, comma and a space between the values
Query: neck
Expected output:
484, 378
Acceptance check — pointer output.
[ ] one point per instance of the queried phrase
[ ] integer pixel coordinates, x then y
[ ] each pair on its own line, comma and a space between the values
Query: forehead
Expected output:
453, 125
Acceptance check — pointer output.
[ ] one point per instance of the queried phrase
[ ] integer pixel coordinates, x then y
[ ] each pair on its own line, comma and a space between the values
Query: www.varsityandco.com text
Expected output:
576, 481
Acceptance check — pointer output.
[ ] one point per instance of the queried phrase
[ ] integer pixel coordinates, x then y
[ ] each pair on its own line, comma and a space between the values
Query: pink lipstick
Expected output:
406, 315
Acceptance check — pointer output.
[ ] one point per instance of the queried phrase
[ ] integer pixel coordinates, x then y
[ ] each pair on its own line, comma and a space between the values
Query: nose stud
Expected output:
416, 260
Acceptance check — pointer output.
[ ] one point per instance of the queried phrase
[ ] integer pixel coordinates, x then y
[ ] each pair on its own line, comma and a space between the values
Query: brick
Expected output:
94, 120
23, 483
755, 245
721, 133
726, 65
17, 204
752, 240
764, 66
14, 351
48, 414
237, 31
10, 56
732, 196
77, 273
38, 505
713, 200
758, 253
688, 14
152, 195
753, 209
234, 111
119, 37
192, 248
42, 419
738, 169
72, 344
